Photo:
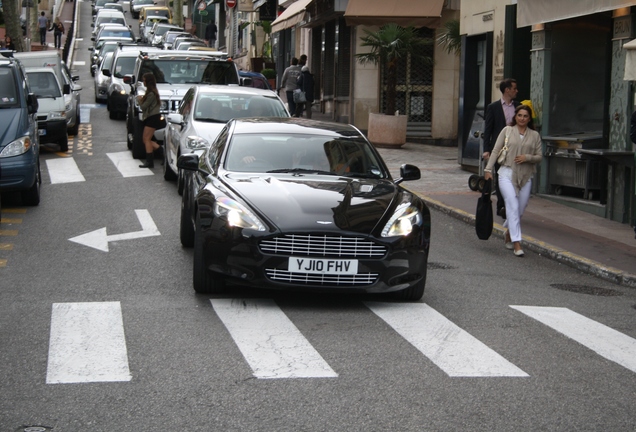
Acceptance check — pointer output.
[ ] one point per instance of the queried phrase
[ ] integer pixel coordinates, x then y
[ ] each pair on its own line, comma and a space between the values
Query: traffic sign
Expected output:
202, 5
230, 3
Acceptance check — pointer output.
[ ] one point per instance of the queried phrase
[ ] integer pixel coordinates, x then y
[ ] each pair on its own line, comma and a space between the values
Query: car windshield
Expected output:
161, 30
110, 20
190, 71
124, 66
8, 97
222, 108
287, 153
44, 85
108, 61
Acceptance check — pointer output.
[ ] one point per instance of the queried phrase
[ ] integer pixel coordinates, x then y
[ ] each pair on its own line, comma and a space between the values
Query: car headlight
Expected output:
68, 106
16, 148
196, 142
118, 88
406, 216
54, 115
236, 214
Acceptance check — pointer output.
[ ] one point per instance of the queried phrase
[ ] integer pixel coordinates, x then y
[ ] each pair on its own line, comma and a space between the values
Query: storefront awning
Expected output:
630, 61
531, 12
417, 13
293, 15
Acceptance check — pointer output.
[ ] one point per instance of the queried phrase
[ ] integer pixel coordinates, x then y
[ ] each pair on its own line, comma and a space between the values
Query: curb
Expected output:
542, 248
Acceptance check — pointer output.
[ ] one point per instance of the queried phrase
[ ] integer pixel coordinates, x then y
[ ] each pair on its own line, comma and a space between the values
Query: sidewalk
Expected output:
592, 244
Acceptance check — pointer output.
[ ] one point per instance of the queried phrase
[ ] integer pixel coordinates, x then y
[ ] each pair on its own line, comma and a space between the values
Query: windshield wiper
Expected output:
209, 120
301, 170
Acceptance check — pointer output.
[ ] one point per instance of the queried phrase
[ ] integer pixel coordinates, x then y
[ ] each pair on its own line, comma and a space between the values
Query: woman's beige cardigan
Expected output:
530, 146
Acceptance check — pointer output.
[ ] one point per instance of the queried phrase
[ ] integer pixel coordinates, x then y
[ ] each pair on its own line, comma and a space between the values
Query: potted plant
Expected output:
390, 44
270, 74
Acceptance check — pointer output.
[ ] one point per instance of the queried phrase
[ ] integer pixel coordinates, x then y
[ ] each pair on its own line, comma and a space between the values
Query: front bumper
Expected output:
118, 102
19, 172
51, 131
235, 253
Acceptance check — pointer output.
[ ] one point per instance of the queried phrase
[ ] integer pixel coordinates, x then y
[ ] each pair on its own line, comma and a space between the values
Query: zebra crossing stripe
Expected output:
451, 348
87, 344
269, 341
127, 166
605, 341
64, 170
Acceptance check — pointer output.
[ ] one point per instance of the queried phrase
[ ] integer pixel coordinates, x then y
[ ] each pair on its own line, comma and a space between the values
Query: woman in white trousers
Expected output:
516, 171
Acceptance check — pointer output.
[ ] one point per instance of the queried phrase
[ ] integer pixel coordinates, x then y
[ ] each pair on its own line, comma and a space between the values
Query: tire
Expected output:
472, 182
168, 174
75, 129
203, 281
111, 113
138, 149
413, 293
31, 197
186, 229
180, 182
63, 143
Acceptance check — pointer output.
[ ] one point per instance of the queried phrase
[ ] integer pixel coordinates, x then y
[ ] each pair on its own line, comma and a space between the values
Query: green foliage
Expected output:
269, 73
450, 37
389, 45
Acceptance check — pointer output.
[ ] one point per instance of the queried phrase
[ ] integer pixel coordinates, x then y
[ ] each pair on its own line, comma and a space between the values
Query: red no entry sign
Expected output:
230, 3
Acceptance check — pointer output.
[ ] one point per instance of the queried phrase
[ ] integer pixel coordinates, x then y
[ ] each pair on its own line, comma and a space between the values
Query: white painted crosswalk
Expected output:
64, 170
87, 342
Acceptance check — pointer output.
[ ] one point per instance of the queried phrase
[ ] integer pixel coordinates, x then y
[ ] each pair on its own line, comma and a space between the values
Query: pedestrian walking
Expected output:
43, 25
305, 84
289, 82
210, 34
150, 104
498, 115
516, 171
58, 31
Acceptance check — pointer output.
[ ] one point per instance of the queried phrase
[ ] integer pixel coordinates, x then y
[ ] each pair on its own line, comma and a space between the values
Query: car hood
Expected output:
173, 91
11, 125
318, 202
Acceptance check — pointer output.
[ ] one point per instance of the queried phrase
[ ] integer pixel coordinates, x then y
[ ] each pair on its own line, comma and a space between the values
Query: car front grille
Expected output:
323, 246
280, 275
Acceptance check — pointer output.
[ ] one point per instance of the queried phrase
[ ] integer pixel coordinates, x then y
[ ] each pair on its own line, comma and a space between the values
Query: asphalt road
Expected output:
493, 346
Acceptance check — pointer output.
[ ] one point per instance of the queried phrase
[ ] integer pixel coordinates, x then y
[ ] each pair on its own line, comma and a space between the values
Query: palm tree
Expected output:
450, 38
389, 45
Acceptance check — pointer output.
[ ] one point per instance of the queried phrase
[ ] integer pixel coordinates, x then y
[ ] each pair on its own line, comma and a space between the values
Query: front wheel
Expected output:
413, 293
138, 148
203, 281
64, 143
31, 197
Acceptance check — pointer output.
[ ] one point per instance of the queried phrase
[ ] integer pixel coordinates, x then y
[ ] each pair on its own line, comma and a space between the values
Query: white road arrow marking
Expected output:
98, 239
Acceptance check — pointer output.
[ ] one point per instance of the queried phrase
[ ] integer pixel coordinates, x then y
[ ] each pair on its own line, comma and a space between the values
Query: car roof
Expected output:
293, 125
251, 74
234, 90
109, 13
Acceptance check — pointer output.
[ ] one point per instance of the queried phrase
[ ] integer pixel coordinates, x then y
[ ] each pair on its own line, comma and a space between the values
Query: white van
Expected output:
51, 113
52, 59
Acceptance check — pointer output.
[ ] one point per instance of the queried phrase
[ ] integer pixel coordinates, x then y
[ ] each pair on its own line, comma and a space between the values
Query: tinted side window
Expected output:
8, 93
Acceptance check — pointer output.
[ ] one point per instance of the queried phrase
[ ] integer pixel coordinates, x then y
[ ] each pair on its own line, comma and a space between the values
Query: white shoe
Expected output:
519, 253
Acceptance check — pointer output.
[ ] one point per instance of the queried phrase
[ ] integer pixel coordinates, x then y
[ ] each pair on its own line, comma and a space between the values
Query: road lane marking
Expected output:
99, 238
87, 344
271, 344
6, 246
14, 210
11, 221
127, 166
451, 348
64, 171
8, 233
3, 262
603, 340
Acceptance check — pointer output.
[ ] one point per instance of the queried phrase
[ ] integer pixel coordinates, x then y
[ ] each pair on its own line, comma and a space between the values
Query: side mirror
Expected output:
188, 162
408, 172
106, 72
93, 38
77, 88
129, 79
66, 89
175, 118
32, 103
91, 48
246, 82
75, 78
92, 24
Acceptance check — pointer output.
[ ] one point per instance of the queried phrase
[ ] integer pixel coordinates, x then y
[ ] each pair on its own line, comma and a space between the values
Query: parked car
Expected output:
100, 50
52, 59
19, 142
146, 26
258, 80
168, 38
118, 92
303, 205
136, 5
147, 11
114, 31
114, 6
51, 113
98, 5
158, 31
108, 17
102, 81
203, 113
175, 72
188, 41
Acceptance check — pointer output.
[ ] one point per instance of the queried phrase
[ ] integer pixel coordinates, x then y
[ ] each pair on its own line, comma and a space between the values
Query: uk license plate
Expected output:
41, 132
322, 266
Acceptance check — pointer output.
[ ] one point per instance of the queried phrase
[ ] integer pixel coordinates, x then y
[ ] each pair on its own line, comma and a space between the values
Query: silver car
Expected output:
202, 114
103, 81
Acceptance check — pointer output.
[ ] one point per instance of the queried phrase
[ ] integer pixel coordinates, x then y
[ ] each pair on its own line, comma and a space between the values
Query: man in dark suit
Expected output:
498, 115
